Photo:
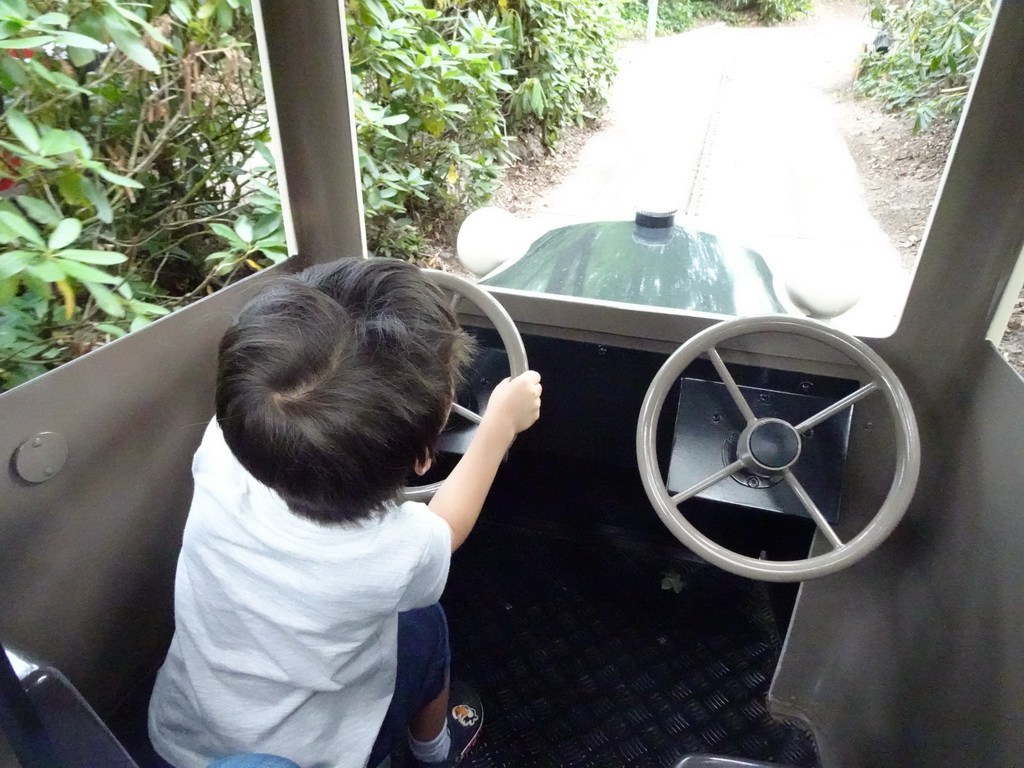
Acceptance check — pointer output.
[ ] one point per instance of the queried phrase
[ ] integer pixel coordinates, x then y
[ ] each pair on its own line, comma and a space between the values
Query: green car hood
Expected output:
674, 267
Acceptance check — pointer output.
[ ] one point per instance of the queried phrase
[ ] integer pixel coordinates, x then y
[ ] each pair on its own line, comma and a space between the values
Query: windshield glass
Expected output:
811, 148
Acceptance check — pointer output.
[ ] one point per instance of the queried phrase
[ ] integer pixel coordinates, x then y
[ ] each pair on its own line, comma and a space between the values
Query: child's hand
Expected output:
516, 402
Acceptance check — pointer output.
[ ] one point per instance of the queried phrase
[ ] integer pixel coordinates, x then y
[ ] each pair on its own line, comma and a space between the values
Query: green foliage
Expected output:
936, 45
428, 90
438, 89
126, 155
133, 167
565, 60
674, 16
776, 11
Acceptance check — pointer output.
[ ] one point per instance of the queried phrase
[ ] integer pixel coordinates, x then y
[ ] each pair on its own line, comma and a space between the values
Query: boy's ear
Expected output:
422, 465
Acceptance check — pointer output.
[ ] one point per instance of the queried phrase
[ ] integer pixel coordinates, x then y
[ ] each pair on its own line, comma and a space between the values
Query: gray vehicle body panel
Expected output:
912, 657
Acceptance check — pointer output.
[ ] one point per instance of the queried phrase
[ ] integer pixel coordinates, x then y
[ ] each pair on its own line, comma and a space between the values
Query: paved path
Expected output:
736, 128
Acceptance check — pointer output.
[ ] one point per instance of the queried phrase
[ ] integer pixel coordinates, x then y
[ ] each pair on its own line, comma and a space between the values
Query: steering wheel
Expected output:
510, 339
772, 446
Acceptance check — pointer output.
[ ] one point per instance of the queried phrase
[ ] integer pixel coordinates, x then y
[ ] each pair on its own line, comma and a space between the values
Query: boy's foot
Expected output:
465, 720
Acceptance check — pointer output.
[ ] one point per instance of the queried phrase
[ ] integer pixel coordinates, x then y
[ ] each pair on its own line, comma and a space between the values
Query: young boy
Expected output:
307, 623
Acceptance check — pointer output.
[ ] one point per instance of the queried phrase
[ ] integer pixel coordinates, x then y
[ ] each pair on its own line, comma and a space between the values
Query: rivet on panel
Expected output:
40, 457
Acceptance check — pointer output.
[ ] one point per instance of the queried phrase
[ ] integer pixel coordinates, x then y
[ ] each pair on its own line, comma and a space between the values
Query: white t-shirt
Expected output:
285, 630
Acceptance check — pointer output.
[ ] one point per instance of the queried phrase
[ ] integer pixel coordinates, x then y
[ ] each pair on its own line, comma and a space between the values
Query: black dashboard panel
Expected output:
592, 398
708, 426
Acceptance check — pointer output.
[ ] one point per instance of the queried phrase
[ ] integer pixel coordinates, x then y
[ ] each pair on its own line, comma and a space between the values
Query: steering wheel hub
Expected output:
769, 446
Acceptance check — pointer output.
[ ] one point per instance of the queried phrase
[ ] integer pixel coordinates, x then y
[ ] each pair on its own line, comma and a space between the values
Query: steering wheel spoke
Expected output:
836, 407
465, 413
732, 386
812, 510
707, 482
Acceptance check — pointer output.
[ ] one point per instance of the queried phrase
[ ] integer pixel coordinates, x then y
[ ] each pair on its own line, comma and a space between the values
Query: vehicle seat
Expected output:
78, 735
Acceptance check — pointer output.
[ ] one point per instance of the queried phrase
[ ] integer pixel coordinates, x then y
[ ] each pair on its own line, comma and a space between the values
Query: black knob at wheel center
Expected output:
774, 444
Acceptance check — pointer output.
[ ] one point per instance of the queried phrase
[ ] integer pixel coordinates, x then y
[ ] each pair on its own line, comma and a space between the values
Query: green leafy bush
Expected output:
134, 174
674, 16
428, 92
776, 11
130, 164
936, 45
439, 89
564, 57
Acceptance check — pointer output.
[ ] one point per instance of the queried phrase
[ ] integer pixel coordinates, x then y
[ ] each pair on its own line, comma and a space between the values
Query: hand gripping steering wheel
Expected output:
769, 445
510, 338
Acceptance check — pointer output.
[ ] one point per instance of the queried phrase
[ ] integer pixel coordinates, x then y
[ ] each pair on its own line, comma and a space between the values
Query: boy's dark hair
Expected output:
333, 383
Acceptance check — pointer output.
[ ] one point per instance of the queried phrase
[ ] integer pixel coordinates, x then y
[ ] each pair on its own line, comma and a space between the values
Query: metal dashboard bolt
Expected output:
40, 457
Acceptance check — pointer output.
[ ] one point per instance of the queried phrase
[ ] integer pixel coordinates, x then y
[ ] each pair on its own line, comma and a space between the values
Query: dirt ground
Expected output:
900, 172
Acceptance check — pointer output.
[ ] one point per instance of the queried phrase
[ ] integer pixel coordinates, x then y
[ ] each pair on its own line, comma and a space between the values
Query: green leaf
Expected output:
145, 308
75, 40
47, 271
266, 226
105, 299
81, 57
109, 328
68, 83
69, 184
65, 234
266, 189
93, 257
116, 178
139, 322
225, 15
537, 99
265, 153
13, 262
377, 12
393, 120
39, 210
24, 129
53, 19
22, 227
181, 11
134, 18
14, 8
243, 228
96, 196
58, 142
89, 23
85, 273
228, 234
33, 158
21, 43
8, 290
41, 289
130, 43
206, 11
14, 69
276, 256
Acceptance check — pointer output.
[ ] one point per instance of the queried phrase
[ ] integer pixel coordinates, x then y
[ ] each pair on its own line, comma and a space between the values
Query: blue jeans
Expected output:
423, 661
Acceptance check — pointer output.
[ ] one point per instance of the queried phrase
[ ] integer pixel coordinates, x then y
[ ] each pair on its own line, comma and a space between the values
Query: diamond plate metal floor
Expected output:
583, 660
